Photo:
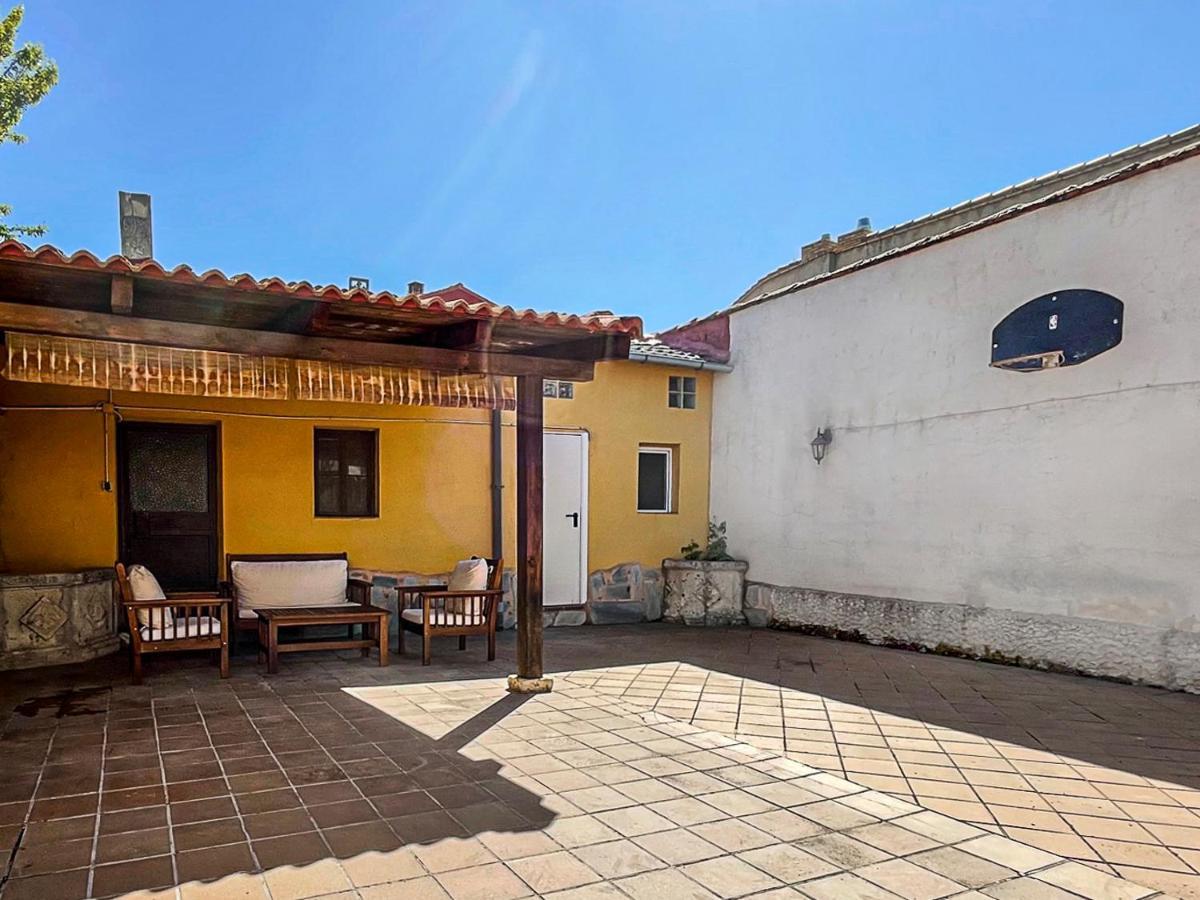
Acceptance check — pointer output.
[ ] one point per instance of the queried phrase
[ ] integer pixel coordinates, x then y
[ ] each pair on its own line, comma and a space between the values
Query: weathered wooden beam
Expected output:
103, 326
596, 346
529, 677
471, 334
122, 295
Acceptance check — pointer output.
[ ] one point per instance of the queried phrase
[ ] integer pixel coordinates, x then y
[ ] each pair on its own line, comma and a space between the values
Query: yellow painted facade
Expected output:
434, 474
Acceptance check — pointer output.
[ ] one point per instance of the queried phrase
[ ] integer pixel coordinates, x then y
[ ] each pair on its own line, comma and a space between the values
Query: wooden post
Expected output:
529, 678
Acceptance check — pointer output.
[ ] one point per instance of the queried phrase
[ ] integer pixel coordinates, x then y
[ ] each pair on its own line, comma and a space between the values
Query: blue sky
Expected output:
650, 157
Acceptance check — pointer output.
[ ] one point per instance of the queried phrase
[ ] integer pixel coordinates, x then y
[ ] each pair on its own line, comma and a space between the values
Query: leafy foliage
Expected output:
26, 76
715, 550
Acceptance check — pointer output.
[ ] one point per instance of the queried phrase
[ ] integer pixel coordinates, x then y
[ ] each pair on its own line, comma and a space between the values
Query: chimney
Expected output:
136, 236
416, 287
853, 238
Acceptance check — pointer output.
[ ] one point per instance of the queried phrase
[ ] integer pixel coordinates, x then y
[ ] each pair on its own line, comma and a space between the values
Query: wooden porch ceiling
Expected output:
81, 296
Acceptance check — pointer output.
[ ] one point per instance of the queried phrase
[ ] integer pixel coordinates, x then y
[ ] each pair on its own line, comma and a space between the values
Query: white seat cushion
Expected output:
438, 617
305, 582
145, 586
469, 575
183, 627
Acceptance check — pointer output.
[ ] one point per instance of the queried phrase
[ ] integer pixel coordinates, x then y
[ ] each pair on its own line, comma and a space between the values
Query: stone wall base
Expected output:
1163, 657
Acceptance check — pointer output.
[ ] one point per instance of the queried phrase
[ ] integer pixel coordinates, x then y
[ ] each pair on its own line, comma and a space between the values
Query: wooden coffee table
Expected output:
373, 619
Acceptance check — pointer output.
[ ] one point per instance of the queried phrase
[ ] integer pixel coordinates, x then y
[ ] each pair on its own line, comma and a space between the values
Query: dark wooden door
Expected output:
168, 502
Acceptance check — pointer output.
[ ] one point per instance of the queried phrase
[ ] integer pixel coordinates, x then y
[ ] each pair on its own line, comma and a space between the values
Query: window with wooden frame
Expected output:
346, 473
681, 392
655, 488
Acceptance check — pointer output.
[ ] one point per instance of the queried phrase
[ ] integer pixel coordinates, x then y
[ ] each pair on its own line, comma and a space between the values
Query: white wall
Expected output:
1072, 492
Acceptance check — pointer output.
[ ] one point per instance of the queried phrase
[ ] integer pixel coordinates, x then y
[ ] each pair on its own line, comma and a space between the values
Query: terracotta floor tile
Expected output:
133, 845
211, 863
126, 877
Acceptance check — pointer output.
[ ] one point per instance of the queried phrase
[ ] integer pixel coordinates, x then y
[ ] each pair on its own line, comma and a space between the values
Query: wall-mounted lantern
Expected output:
821, 443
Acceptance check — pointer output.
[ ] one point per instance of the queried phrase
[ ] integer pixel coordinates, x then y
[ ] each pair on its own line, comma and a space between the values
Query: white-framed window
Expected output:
562, 390
681, 392
655, 479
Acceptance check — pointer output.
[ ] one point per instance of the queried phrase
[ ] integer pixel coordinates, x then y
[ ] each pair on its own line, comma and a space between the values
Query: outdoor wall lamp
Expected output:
821, 443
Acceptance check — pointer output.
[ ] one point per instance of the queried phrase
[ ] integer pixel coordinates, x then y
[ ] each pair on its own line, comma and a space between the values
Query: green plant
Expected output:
716, 548
26, 76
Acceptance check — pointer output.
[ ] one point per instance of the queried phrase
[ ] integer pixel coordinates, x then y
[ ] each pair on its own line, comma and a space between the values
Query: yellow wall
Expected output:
626, 406
434, 476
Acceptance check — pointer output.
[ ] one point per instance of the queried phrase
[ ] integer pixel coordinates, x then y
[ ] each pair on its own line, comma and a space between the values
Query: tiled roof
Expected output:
456, 299
654, 348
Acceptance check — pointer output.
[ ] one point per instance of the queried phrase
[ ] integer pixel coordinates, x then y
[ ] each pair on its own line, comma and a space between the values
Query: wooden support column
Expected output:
529, 678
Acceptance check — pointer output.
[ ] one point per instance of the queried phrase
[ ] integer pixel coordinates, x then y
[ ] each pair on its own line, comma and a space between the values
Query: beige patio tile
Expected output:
1121, 853
959, 809
688, 811
242, 886
784, 824
578, 831
835, 815
733, 835
965, 868
601, 890
635, 820
678, 847
1176, 884
947, 790
617, 859
425, 888
907, 880
596, 799
738, 802
454, 853
842, 850
1006, 852
783, 793
1177, 835
788, 863
729, 877
487, 882
1093, 806
1155, 813
516, 845
567, 780
661, 884
324, 876
1027, 889
1070, 846
1039, 819
370, 868
846, 886
892, 838
1087, 882
553, 871
1115, 829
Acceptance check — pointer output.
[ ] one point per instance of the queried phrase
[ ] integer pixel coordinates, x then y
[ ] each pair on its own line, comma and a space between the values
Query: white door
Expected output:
564, 511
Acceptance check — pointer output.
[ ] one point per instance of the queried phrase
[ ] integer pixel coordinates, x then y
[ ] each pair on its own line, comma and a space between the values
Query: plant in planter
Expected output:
707, 585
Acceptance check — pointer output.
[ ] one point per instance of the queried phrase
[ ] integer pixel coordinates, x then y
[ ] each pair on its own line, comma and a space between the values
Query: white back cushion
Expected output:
302, 582
469, 575
145, 586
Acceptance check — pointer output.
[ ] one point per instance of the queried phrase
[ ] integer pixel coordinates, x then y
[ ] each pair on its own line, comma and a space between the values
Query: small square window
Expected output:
654, 479
346, 473
558, 390
681, 392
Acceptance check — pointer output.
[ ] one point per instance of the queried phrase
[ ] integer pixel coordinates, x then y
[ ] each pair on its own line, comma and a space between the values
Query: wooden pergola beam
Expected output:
134, 329
529, 677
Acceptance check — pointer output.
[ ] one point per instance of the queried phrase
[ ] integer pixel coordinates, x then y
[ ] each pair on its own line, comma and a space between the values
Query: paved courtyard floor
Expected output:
668, 762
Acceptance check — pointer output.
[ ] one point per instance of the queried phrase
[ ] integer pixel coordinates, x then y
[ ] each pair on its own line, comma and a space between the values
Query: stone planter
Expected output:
47, 620
699, 592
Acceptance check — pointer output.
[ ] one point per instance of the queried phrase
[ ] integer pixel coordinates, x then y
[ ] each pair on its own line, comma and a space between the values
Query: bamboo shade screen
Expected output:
112, 365
350, 383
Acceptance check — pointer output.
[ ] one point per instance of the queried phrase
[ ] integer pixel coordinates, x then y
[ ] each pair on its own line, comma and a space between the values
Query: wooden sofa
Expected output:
191, 621
431, 610
290, 593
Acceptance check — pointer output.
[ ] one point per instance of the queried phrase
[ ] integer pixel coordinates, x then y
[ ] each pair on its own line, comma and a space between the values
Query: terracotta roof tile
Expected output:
455, 300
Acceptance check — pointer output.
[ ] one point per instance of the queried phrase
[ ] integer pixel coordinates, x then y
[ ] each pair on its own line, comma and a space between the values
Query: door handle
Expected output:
574, 517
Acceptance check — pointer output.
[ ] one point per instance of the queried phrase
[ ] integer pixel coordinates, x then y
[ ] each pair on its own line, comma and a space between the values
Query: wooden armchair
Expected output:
357, 590
192, 621
431, 610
